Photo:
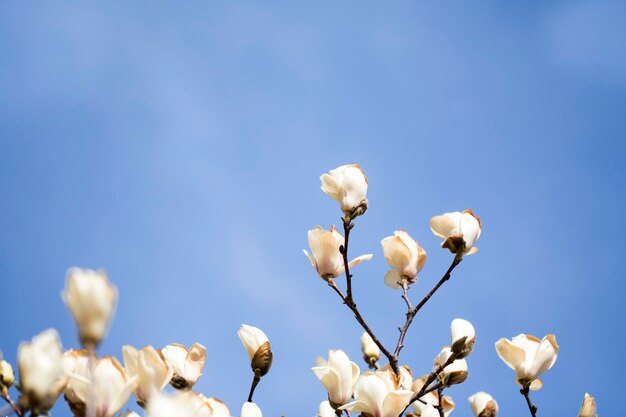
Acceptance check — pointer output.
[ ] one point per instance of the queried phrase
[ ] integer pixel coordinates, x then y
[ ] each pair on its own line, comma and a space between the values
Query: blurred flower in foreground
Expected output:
42, 378
149, 367
404, 254
371, 352
75, 362
7, 377
106, 389
250, 410
187, 364
338, 375
91, 299
212, 407
258, 347
180, 404
428, 410
325, 257
455, 373
588, 409
379, 394
347, 185
463, 337
457, 229
431, 398
483, 405
325, 410
529, 357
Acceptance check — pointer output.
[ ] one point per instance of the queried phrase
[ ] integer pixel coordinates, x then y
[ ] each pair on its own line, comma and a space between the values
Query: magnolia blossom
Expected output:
454, 373
187, 364
431, 398
347, 185
41, 372
588, 409
325, 257
149, 367
107, 387
180, 404
405, 379
75, 362
371, 352
529, 357
378, 394
212, 407
91, 299
258, 347
457, 229
483, 405
250, 409
325, 410
463, 337
338, 375
405, 256
7, 377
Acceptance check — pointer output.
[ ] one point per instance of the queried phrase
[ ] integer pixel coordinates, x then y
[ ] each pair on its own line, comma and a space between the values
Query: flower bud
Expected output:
6, 374
149, 367
458, 230
463, 337
186, 364
347, 185
588, 409
180, 404
258, 347
91, 299
338, 375
404, 254
483, 405
41, 372
325, 410
454, 373
325, 257
250, 409
371, 352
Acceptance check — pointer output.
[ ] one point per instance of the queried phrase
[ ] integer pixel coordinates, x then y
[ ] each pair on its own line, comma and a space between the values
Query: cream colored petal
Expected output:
512, 355
395, 402
360, 259
470, 227
445, 225
330, 187
536, 385
356, 407
397, 253
545, 356
392, 278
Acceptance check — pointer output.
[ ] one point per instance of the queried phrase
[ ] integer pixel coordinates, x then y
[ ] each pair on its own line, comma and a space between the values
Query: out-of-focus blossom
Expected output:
529, 357
148, 366
454, 373
41, 371
258, 347
428, 410
325, 257
250, 409
457, 230
180, 404
463, 337
75, 362
325, 410
212, 407
106, 389
371, 352
7, 377
588, 409
338, 375
405, 256
129, 413
187, 364
483, 405
405, 379
347, 185
91, 299
431, 398
379, 394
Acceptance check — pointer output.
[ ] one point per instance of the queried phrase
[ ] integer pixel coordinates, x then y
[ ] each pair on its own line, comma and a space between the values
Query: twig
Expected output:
532, 407
5, 395
439, 405
347, 226
255, 382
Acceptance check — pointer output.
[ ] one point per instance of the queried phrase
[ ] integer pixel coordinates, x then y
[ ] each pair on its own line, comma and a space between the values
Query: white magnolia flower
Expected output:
180, 404
338, 375
405, 256
106, 389
325, 257
41, 371
75, 362
379, 394
483, 405
454, 373
457, 229
347, 185
149, 367
529, 357
7, 377
588, 409
187, 364
258, 347
463, 337
371, 352
431, 398
250, 409
212, 407
325, 410
91, 299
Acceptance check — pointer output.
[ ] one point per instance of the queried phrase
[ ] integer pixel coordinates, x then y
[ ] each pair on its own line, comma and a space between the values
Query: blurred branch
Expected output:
6, 397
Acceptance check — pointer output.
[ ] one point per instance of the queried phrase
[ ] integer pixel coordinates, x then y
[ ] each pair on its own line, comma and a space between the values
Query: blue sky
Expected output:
179, 147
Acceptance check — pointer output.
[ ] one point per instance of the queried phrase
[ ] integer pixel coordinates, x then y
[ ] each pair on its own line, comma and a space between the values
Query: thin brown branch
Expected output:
255, 382
440, 398
6, 397
347, 226
531, 407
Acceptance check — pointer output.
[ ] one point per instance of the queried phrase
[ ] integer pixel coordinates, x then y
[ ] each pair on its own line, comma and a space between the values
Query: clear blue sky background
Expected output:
179, 146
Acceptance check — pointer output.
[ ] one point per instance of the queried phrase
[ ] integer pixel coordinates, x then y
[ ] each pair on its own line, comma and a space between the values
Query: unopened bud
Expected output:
588, 409
371, 352
463, 337
453, 373
262, 359
258, 348
7, 376
483, 405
